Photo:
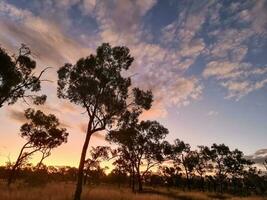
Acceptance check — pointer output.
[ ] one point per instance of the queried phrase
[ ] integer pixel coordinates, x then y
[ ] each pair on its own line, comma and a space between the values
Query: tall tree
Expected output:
42, 132
236, 164
182, 155
96, 84
220, 155
93, 170
141, 144
203, 164
17, 78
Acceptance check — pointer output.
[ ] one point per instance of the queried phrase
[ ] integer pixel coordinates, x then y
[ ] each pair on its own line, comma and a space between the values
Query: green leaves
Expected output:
96, 83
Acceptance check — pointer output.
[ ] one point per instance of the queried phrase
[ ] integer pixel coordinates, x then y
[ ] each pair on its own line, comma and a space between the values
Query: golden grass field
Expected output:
63, 191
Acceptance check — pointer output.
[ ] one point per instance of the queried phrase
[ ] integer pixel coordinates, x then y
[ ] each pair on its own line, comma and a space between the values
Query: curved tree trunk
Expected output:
12, 172
78, 191
11, 175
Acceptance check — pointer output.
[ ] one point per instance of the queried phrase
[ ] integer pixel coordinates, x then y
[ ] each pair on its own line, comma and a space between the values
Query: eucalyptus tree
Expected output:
141, 144
17, 78
237, 163
182, 155
96, 83
124, 165
93, 170
220, 155
172, 175
42, 132
203, 164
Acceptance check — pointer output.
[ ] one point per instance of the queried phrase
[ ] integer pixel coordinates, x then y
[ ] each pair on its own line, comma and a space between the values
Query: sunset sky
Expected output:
205, 61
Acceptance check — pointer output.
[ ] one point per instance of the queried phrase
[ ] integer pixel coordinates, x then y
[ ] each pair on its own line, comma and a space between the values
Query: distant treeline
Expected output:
206, 169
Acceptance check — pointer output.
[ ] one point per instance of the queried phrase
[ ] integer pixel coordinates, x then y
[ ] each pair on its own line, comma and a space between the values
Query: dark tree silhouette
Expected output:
17, 77
226, 162
182, 155
203, 164
141, 144
236, 164
241, 179
92, 169
265, 164
220, 155
42, 133
96, 83
172, 175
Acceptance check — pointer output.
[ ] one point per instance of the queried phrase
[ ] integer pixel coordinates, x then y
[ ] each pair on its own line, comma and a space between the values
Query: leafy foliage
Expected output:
42, 134
141, 144
96, 83
17, 77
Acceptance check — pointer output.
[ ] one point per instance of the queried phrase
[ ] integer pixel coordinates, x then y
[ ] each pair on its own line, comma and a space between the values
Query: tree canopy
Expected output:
42, 134
17, 78
140, 145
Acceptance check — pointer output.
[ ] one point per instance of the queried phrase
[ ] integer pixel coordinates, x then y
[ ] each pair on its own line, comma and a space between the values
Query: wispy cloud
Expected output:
48, 42
212, 113
16, 115
227, 57
162, 63
259, 156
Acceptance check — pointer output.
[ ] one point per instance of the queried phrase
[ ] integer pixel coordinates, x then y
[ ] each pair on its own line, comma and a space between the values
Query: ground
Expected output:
64, 191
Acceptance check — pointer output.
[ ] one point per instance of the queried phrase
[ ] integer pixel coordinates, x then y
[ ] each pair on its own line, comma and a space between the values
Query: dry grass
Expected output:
64, 192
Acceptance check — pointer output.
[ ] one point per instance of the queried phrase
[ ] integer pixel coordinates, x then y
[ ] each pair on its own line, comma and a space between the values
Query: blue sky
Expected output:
205, 62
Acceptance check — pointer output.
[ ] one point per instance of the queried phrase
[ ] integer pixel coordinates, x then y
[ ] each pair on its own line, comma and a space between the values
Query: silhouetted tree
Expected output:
42, 132
141, 144
17, 77
265, 164
123, 165
182, 155
93, 170
255, 182
204, 164
220, 155
96, 83
172, 175
236, 164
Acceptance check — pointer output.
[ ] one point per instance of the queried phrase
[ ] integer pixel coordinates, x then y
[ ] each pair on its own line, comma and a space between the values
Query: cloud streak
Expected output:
161, 65
259, 156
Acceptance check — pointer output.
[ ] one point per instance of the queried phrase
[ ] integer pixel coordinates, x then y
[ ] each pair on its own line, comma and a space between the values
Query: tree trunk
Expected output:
130, 180
202, 183
78, 191
214, 186
85, 179
133, 181
11, 175
221, 185
187, 181
15, 166
140, 185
